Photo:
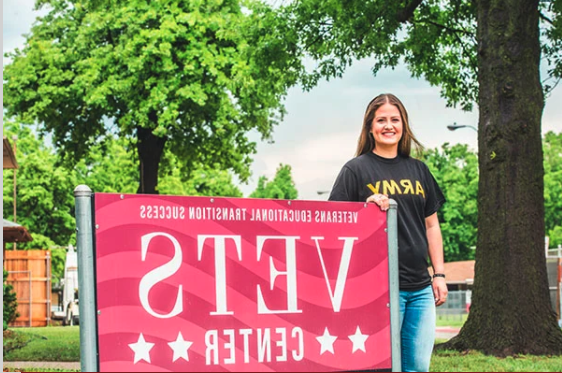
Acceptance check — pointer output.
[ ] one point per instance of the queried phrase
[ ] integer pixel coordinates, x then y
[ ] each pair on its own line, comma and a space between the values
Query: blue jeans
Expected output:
417, 328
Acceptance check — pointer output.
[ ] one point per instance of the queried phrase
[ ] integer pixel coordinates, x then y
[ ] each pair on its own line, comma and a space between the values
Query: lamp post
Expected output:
455, 126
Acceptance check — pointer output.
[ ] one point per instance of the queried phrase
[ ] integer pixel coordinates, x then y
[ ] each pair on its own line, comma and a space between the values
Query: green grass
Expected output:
451, 320
452, 361
43, 344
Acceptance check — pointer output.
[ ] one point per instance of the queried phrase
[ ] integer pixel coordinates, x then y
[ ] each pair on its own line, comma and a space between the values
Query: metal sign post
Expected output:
87, 301
394, 289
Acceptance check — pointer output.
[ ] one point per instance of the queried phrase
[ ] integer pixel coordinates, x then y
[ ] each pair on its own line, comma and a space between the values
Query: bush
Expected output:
10, 303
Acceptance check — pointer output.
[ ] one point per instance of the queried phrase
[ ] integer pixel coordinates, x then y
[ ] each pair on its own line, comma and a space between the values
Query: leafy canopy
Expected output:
187, 70
437, 40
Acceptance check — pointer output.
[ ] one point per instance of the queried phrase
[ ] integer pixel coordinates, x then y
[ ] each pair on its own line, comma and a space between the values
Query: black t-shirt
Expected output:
410, 183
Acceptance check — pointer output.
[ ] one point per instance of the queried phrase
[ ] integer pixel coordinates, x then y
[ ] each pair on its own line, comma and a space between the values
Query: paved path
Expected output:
446, 332
41, 364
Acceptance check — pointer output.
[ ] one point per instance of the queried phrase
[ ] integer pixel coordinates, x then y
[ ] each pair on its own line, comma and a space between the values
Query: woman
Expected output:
383, 169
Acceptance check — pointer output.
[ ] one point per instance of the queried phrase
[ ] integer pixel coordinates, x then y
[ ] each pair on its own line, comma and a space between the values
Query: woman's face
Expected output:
387, 127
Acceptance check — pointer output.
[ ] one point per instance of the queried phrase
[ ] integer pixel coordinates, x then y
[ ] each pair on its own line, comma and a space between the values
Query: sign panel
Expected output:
234, 284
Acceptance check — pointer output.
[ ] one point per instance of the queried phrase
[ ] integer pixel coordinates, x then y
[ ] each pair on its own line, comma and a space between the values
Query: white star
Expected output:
180, 347
358, 340
141, 349
326, 342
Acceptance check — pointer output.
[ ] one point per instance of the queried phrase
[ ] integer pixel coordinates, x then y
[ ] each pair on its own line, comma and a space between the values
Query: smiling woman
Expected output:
383, 170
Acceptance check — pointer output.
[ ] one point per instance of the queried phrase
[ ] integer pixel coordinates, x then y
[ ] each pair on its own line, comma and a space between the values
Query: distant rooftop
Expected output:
13, 232
9, 156
460, 272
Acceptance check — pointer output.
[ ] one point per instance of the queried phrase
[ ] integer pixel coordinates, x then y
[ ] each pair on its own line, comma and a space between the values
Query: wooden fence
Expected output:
29, 272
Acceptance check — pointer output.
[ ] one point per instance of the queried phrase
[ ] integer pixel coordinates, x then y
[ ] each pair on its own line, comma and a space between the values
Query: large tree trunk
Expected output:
510, 311
150, 148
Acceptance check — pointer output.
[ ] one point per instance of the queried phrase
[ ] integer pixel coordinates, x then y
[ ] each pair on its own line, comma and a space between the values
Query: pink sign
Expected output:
234, 284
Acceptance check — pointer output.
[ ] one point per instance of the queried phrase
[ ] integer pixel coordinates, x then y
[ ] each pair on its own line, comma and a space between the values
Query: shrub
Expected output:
10, 303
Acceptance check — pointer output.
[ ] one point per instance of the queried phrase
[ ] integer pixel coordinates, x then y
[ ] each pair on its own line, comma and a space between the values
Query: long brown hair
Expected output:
366, 141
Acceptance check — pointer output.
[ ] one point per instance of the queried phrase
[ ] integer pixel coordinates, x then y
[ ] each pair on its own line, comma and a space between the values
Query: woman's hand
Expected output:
440, 290
380, 199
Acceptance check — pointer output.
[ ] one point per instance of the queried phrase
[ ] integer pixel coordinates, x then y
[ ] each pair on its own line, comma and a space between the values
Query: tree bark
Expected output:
150, 148
510, 311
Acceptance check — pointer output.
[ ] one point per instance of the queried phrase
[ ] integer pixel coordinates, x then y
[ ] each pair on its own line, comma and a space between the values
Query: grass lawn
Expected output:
453, 361
451, 320
55, 343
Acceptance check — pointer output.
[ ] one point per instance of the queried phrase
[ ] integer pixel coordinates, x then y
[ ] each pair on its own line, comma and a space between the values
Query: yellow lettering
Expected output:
408, 187
419, 189
391, 187
375, 190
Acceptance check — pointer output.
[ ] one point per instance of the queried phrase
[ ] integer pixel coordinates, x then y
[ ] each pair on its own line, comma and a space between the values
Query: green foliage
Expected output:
45, 202
10, 302
58, 260
186, 70
437, 40
281, 187
552, 149
203, 181
13, 340
110, 167
456, 171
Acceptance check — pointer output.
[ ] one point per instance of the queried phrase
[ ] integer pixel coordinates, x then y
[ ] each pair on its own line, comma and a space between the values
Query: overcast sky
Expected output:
319, 133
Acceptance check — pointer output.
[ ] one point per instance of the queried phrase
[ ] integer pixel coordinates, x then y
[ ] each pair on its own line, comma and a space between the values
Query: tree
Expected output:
204, 181
45, 203
175, 75
110, 168
281, 187
486, 53
552, 149
456, 171
10, 303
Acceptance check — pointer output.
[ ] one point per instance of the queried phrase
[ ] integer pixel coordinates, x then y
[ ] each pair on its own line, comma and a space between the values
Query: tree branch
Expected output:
473, 63
545, 18
451, 29
408, 11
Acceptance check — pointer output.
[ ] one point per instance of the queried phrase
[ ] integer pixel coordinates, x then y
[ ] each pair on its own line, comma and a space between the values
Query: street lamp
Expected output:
455, 126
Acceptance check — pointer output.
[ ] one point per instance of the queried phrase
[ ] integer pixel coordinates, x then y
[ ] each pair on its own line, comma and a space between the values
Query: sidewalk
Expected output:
41, 364
446, 332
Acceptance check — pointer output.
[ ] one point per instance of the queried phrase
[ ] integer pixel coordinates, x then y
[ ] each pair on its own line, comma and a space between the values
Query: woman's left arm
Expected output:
435, 241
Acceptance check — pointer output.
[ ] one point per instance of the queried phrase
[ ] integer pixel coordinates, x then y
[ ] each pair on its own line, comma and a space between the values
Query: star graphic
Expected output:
180, 347
326, 342
141, 349
358, 340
